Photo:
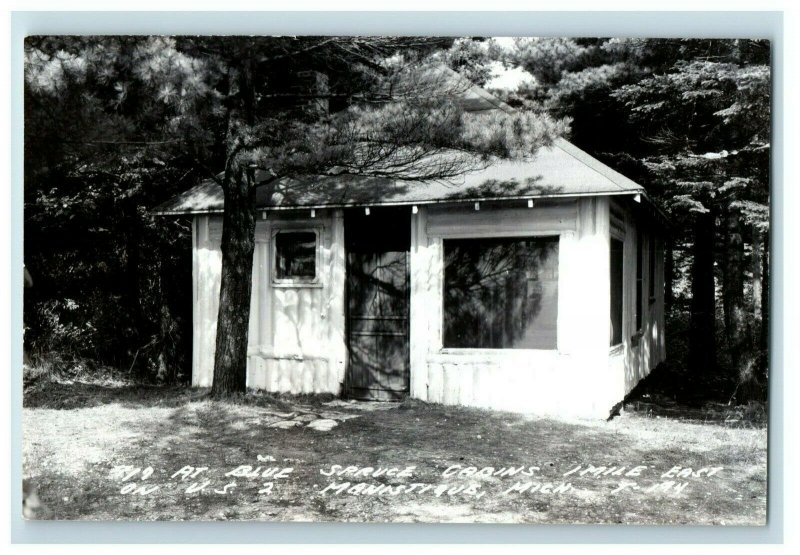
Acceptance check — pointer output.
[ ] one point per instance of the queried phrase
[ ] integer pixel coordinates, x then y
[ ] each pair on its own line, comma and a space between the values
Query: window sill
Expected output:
490, 355
483, 351
296, 284
271, 354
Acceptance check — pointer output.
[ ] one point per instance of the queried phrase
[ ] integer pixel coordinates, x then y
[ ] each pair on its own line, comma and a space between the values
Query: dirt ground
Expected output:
95, 452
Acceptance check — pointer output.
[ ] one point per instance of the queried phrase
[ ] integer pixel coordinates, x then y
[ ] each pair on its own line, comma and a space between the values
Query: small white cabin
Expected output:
528, 286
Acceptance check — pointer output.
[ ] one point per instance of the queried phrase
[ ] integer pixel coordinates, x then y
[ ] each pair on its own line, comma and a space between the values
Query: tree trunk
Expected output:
733, 304
170, 340
702, 351
669, 274
238, 243
135, 317
765, 309
757, 283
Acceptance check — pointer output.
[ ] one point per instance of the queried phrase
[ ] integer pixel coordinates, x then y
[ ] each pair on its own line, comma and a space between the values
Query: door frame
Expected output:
347, 222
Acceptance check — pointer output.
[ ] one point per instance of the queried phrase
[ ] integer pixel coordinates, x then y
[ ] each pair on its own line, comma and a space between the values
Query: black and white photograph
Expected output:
397, 279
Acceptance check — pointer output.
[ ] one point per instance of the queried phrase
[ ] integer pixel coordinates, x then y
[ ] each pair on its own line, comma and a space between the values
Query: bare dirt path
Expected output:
467, 464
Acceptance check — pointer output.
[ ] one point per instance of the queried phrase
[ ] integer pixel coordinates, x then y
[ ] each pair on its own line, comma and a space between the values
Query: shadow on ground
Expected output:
76, 433
69, 395
669, 391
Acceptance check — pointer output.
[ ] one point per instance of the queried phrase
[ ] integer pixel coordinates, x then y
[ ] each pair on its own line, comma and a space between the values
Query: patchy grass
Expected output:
76, 433
669, 391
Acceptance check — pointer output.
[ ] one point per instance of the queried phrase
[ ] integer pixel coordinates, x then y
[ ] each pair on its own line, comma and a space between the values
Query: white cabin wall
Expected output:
652, 345
296, 333
525, 380
207, 260
597, 388
422, 305
336, 305
302, 346
195, 303
631, 353
637, 357
642, 362
658, 332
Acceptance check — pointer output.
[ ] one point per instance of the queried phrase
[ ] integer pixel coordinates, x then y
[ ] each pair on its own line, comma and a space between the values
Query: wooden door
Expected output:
377, 304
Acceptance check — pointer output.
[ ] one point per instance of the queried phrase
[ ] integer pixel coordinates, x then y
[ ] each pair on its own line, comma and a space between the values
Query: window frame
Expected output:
652, 263
316, 281
621, 237
638, 322
502, 351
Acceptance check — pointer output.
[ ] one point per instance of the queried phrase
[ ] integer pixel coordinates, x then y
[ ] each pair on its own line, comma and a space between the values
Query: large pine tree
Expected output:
280, 107
690, 119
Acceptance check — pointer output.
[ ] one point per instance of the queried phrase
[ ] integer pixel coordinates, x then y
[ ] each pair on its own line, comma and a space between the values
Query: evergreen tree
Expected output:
280, 107
690, 119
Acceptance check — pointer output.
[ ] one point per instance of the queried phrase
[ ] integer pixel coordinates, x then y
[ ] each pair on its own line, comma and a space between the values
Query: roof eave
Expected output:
426, 202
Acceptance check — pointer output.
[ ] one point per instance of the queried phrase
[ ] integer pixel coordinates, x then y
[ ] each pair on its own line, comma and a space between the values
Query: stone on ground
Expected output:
306, 418
285, 424
323, 424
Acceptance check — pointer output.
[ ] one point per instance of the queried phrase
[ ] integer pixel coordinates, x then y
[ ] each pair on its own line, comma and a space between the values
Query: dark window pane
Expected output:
295, 255
639, 278
616, 292
501, 293
652, 267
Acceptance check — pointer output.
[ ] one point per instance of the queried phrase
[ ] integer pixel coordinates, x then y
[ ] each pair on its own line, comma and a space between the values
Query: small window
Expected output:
501, 293
295, 256
616, 291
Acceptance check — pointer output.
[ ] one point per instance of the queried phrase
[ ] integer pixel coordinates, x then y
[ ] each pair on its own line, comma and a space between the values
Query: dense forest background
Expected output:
108, 138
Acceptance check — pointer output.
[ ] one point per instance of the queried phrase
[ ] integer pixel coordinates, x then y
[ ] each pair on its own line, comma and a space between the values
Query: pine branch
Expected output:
137, 143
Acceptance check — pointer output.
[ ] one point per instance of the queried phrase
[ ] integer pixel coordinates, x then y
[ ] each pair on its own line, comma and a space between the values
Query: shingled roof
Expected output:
559, 170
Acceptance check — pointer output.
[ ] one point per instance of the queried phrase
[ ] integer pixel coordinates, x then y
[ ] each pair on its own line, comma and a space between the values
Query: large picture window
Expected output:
501, 293
295, 256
